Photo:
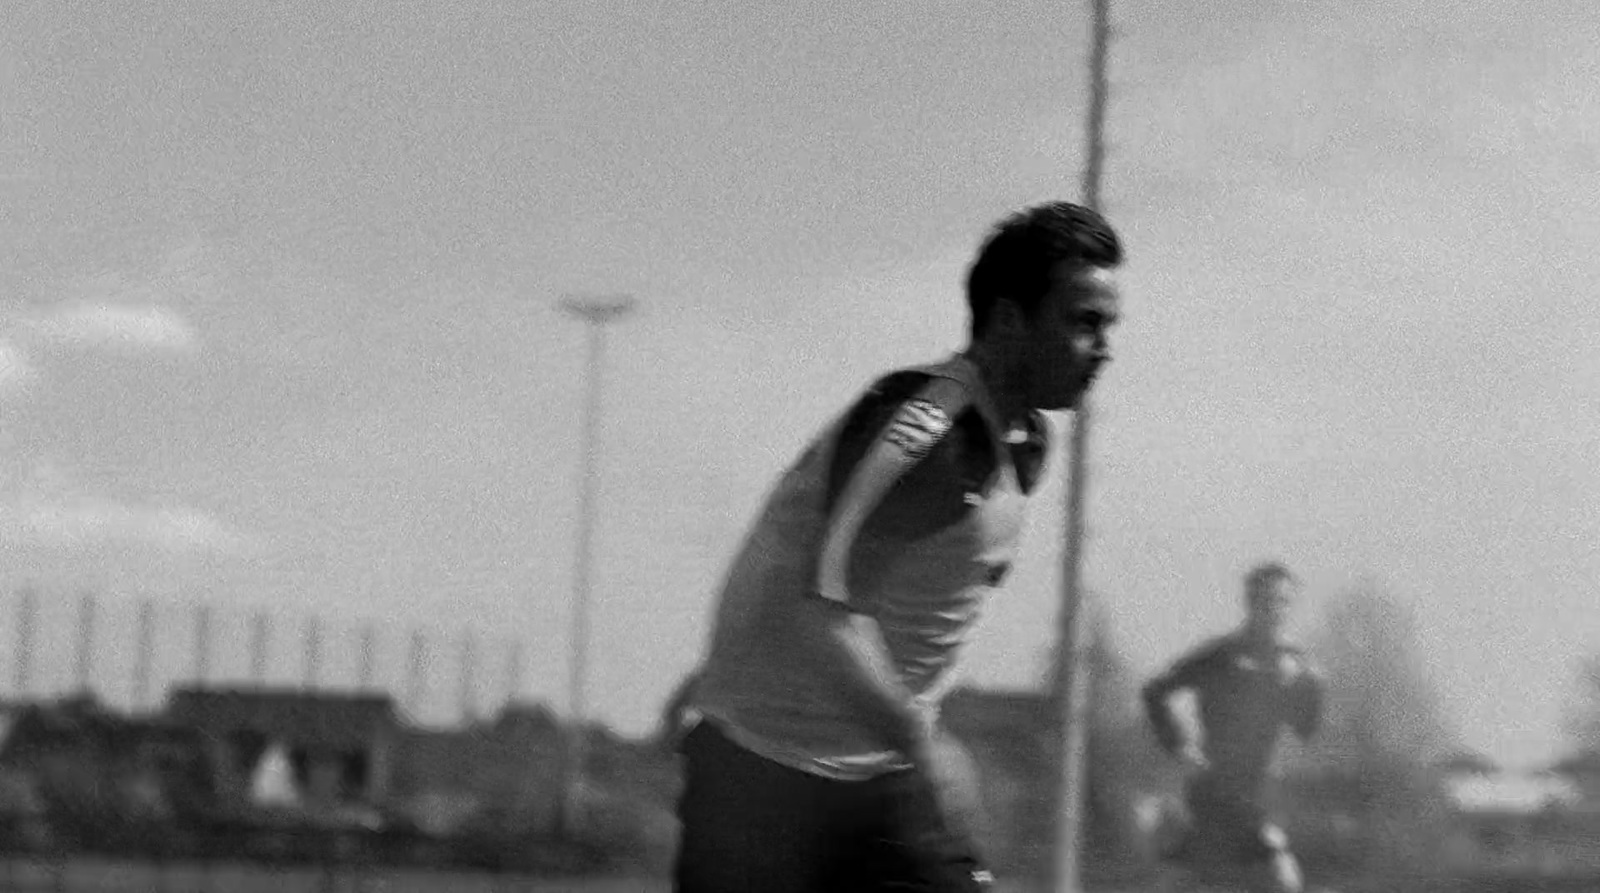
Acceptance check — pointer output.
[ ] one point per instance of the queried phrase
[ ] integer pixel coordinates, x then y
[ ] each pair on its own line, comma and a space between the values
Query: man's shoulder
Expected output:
1293, 649
931, 383
916, 403
896, 386
1297, 658
1216, 648
930, 418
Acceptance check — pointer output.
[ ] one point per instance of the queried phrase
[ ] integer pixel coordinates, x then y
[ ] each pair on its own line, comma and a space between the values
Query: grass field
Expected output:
89, 876
105, 876
108, 876
95, 876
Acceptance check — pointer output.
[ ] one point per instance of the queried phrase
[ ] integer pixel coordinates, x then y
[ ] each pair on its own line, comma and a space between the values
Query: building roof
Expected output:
1584, 764
332, 719
76, 723
1462, 763
525, 724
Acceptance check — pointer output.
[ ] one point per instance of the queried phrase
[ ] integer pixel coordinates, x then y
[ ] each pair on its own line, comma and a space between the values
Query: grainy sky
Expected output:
277, 324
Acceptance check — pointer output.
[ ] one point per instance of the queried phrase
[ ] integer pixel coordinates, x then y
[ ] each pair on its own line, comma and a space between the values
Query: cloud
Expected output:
15, 370
116, 326
144, 329
41, 506
88, 521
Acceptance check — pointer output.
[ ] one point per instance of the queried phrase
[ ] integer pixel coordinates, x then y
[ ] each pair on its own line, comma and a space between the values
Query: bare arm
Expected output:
1157, 695
941, 685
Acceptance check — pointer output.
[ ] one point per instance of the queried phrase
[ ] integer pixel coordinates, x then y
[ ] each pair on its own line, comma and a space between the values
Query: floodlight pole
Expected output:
596, 311
1071, 682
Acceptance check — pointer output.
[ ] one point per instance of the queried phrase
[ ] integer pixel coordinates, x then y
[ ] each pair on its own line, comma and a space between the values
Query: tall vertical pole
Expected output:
202, 644
87, 607
1099, 90
144, 658
1071, 687
596, 312
27, 629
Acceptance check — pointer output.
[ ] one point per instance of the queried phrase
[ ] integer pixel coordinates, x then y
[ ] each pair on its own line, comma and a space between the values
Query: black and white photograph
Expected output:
889, 446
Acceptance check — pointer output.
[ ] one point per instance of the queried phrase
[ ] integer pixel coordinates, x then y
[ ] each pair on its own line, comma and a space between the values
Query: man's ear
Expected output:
1006, 319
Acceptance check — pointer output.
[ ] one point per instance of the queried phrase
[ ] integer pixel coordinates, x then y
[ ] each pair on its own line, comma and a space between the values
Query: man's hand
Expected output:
954, 776
1306, 697
1191, 758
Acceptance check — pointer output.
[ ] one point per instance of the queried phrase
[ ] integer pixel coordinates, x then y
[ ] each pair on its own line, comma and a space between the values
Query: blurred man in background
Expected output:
814, 761
1249, 685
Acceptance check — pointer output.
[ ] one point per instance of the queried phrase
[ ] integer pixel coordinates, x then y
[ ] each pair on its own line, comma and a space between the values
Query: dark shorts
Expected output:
750, 824
1227, 829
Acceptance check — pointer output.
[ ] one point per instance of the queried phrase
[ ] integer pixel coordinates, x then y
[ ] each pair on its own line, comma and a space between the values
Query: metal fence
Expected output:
129, 652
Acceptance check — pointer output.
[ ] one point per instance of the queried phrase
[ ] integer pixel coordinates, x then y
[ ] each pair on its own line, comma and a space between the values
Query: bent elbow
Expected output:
1154, 698
1154, 693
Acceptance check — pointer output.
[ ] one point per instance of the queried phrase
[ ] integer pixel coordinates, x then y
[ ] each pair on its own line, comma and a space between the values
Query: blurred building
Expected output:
340, 748
507, 767
1581, 772
1520, 823
74, 772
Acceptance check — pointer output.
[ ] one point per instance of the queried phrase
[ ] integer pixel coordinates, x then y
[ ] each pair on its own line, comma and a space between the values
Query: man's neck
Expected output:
1260, 640
1002, 385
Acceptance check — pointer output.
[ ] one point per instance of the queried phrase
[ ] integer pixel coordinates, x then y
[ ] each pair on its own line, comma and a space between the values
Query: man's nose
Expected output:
1100, 350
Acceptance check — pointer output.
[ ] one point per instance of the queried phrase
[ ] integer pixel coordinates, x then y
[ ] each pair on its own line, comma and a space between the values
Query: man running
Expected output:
814, 764
1250, 685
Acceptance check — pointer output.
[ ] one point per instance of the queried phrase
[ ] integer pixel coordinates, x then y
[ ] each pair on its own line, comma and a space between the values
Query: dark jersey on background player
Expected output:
841, 621
1250, 686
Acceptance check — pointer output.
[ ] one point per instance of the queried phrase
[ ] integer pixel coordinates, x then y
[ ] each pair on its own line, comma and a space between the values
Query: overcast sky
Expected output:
277, 322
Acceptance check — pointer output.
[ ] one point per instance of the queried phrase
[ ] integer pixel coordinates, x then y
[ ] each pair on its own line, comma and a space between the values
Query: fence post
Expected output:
313, 666
87, 607
202, 644
27, 621
369, 647
467, 694
514, 673
416, 674
260, 641
144, 657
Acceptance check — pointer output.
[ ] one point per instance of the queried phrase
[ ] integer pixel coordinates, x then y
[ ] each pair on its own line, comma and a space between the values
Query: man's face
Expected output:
1270, 601
1065, 345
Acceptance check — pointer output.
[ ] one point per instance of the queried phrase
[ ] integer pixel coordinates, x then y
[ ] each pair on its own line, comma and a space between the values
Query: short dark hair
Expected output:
1021, 252
1267, 572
